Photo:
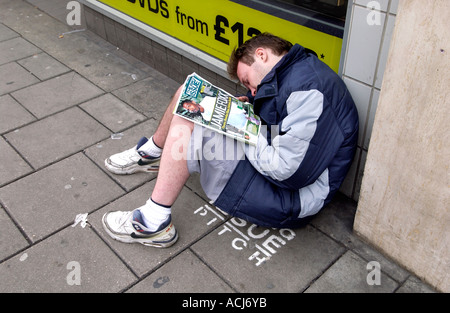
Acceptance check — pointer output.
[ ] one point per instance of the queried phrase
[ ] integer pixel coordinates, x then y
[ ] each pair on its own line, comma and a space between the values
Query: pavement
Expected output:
69, 101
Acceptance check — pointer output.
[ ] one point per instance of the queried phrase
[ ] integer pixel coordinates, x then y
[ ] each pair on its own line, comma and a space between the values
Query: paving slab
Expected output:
126, 140
194, 184
336, 220
55, 8
12, 166
350, 274
185, 273
69, 261
89, 55
56, 94
7, 33
187, 218
14, 77
43, 66
11, 240
101, 66
150, 96
257, 259
13, 115
49, 199
16, 49
112, 112
57, 136
415, 285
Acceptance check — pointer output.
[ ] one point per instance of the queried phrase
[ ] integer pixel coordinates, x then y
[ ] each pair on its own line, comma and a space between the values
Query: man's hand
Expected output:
242, 98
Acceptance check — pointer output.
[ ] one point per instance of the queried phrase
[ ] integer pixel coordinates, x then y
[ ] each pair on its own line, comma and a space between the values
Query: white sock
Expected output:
151, 148
154, 214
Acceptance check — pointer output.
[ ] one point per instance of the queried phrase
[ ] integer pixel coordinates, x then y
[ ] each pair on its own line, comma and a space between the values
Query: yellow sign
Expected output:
216, 27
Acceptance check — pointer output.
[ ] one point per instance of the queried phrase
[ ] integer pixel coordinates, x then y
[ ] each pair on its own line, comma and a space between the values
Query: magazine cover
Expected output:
212, 107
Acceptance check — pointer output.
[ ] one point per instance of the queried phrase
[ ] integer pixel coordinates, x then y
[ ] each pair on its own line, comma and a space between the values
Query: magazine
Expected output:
205, 104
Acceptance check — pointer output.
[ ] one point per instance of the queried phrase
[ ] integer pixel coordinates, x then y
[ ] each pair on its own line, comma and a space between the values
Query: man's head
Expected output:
254, 59
192, 106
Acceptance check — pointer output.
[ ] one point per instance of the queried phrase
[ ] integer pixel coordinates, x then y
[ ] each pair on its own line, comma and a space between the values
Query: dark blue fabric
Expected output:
266, 202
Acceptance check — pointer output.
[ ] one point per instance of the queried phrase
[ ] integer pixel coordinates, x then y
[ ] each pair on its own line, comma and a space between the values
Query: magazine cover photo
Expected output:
214, 108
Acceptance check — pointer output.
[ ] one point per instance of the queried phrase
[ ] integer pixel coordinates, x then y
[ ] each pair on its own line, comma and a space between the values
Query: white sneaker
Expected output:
132, 160
129, 227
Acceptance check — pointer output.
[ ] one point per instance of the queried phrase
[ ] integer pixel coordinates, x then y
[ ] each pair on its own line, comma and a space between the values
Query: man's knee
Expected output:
182, 123
179, 136
175, 98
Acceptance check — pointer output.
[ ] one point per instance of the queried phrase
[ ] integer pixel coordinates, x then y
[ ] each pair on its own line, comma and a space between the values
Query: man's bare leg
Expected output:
173, 172
173, 134
160, 135
151, 224
145, 156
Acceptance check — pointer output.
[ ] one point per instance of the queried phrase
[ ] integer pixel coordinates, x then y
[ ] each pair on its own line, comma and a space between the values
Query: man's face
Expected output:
191, 106
251, 75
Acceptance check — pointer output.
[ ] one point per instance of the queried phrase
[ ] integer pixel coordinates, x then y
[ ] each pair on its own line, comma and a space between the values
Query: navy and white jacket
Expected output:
312, 130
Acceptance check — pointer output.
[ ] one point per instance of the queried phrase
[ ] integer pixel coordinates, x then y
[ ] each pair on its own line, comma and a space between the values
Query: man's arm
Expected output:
280, 159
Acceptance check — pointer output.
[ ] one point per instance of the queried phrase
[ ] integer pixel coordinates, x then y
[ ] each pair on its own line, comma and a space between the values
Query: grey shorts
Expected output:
215, 157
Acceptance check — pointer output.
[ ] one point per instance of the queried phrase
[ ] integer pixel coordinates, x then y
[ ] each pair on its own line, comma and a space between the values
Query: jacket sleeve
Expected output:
280, 159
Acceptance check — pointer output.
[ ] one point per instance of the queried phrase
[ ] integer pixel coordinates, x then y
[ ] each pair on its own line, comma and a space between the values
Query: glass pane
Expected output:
332, 8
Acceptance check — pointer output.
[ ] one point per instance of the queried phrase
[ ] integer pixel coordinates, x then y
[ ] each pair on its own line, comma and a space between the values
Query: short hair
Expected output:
187, 101
245, 52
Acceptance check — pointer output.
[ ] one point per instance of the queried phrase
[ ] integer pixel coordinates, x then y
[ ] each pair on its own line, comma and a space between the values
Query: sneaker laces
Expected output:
122, 220
130, 154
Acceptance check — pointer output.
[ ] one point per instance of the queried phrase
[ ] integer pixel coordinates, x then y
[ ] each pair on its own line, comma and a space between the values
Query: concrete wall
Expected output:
404, 204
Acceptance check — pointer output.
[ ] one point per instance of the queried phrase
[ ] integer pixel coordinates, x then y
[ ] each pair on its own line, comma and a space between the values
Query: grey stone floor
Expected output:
61, 100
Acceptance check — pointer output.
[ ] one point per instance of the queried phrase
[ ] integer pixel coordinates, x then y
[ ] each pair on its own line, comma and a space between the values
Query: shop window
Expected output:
333, 8
327, 16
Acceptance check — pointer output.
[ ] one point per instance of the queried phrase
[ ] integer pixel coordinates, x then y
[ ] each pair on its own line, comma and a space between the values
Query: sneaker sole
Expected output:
132, 169
142, 241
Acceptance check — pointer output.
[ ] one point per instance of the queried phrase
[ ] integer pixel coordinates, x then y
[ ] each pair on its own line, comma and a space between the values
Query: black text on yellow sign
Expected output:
218, 26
